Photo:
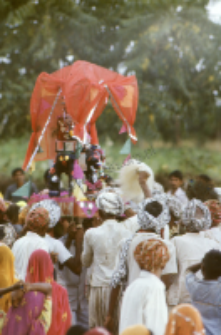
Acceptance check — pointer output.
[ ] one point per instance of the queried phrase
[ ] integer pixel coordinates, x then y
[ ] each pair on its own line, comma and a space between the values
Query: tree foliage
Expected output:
171, 46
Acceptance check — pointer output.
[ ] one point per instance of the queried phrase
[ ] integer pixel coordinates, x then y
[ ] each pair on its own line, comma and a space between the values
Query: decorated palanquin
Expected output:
64, 108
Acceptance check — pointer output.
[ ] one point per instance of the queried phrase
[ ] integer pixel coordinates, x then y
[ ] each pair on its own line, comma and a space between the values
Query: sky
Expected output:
214, 10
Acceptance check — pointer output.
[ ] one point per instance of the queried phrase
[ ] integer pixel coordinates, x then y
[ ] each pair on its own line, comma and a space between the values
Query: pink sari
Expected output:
40, 270
23, 320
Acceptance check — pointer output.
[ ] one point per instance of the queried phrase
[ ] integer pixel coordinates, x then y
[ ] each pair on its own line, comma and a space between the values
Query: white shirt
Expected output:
22, 250
212, 233
134, 269
101, 250
131, 224
181, 195
144, 302
190, 250
58, 247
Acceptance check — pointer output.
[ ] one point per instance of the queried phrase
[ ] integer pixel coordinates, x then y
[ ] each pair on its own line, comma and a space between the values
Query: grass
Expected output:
162, 157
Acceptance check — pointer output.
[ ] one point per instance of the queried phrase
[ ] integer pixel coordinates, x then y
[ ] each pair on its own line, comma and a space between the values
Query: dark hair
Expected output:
2, 232
12, 213
177, 174
212, 264
154, 208
76, 330
200, 190
205, 178
17, 170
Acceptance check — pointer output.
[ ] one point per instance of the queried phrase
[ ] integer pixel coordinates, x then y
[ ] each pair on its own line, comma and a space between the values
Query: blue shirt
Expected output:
206, 297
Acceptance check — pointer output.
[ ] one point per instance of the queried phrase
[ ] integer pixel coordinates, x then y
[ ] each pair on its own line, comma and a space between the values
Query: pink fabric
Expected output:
40, 270
24, 319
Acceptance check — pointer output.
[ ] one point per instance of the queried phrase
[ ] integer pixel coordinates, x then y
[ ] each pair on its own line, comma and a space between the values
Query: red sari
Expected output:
40, 270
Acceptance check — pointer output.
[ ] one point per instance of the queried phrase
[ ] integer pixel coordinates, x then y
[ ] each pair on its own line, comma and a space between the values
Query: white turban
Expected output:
189, 216
110, 202
174, 204
148, 221
53, 209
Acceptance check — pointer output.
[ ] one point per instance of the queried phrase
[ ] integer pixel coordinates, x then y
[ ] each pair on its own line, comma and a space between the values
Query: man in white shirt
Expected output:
37, 223
176, 181
152, 218
190, 248
100, 250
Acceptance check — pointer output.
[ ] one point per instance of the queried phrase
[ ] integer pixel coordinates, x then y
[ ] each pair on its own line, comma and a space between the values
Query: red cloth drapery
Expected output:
84, 86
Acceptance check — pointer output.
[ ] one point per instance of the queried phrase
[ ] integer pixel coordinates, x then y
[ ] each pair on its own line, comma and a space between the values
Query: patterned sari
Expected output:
25, 319
7, 275
40, 269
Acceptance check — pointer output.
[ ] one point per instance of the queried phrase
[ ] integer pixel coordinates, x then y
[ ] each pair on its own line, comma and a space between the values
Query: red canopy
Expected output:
85, 88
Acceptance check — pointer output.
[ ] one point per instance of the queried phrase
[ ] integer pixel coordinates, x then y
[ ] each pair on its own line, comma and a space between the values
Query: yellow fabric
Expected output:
21, 204
136, 330
7, 275
2, 320
78, 194
46, 314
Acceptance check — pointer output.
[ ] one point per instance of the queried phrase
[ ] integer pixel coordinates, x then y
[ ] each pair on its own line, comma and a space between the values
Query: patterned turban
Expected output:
148, 221
174, 204
8, 234
53, 209
215, 211
37, 218
110, 202
151, 254
190, 220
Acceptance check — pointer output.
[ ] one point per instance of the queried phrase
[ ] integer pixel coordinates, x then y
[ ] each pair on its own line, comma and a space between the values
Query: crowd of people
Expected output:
148, 263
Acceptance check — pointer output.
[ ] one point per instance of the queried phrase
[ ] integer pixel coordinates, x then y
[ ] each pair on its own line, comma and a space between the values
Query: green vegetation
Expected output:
171, 46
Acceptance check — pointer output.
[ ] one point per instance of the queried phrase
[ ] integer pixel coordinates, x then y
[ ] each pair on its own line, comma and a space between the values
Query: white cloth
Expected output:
212, 233
133, 267
58, 247
190, 249
144, 302
75, 286
98, 305
101, 250
181, 195
131, 224
22, 250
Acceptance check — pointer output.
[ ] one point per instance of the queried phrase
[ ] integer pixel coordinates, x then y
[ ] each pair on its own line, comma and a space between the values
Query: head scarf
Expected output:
185, 320
151, 254
40, 270
136, 330
98, 331
53, 209
215, 211
25, 318
174, 204
7, 275
110, 202
37, 219
189, 216
9, 233
148, 221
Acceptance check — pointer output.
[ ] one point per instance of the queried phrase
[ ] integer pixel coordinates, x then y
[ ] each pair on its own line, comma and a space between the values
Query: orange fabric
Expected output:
40, 270
185, 320
84, 86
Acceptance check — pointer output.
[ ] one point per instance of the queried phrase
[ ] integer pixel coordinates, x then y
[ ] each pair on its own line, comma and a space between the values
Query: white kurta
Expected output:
144, 303
181, 195
190, 249
22, 250
212, 233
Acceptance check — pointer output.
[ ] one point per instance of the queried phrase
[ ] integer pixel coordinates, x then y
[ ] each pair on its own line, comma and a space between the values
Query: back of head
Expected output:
212, 265
40, 268
76, 330
205, 178
196, 216
151, 255
185, 320
136, 330
153, 215
110, 203
201, 191
98, 331
12, 213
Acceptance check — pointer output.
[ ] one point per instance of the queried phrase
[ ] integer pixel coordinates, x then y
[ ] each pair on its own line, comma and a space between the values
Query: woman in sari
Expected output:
7, 275
185, 320
30, 313
40, 269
